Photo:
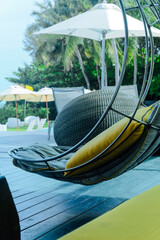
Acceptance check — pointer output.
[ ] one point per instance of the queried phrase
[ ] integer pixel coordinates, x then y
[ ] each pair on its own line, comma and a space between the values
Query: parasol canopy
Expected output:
16, 93
43, 95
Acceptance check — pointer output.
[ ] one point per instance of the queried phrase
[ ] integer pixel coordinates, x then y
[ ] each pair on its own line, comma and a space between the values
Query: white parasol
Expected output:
103, 21
43, 95
16, 93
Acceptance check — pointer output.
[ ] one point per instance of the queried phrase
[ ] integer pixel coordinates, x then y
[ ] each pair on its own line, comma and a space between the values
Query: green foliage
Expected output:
154, 92
55, 62
32, 109
8, 110
39, 75
155, 87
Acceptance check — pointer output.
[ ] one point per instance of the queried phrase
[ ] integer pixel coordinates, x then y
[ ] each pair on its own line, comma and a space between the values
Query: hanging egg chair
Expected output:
121, 146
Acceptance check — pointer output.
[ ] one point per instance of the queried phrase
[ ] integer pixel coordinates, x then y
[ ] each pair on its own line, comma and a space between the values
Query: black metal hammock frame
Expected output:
145, 146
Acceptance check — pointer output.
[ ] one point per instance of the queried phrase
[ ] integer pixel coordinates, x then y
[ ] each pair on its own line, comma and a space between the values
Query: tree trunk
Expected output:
82, 67
72, 74
116, 61
98, 77
135, 67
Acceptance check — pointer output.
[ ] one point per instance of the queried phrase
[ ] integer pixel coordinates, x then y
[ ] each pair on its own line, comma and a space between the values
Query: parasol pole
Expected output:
25, 108
103, 58
16, 111
47, 110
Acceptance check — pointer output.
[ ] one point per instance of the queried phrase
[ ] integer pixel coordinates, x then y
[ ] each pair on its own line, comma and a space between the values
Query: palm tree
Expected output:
50, 49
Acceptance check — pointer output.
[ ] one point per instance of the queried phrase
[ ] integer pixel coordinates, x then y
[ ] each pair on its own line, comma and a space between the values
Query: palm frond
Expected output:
71, 45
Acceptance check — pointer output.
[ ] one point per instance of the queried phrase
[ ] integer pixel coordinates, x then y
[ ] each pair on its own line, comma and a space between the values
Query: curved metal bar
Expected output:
107, 108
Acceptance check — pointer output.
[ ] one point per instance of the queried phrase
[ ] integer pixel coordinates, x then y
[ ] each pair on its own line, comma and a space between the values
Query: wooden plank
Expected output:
11, 171
18, 177
36, 197
5, 155
43, 206
21, 197
31, 181
57, 216
52, 211
83, 218
34, 201
6, 165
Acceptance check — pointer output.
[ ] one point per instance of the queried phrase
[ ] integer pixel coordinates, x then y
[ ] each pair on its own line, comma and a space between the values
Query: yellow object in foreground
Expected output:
103, 140
135, 219
29, 87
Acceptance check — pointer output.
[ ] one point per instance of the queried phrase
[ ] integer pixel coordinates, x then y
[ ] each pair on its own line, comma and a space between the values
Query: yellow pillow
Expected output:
104, 139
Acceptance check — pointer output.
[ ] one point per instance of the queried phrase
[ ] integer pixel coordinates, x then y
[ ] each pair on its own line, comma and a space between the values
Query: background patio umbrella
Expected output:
103, 21
43, 95
16, 93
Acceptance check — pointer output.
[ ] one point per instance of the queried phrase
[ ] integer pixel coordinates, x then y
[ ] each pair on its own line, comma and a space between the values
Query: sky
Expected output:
15, 16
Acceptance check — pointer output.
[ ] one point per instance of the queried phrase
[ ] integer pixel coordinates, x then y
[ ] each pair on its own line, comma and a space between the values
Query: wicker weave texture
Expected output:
80, 115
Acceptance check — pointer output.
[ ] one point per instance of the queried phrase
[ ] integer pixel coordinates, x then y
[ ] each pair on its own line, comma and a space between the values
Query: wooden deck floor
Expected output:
48, 209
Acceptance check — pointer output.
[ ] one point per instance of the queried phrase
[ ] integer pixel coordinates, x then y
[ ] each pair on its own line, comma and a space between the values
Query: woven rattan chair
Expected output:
80, 115
129, 89
117, 149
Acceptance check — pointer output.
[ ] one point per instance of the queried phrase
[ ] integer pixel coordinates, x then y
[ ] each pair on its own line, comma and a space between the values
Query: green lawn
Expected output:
25, 128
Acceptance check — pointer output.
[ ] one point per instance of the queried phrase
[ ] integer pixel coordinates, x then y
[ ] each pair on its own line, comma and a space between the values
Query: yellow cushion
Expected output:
103, 140
135, 219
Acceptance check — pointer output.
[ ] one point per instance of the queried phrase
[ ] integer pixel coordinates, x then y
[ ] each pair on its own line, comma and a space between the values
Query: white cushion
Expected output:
12, 122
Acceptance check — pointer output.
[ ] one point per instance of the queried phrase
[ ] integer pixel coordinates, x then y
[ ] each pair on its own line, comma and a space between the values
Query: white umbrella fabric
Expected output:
103, 21
43, 95
16, 93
